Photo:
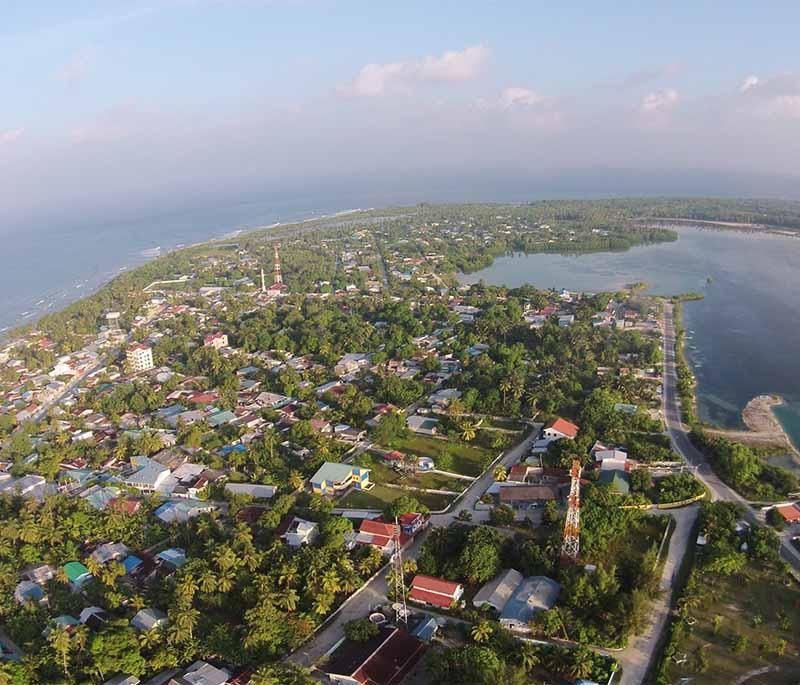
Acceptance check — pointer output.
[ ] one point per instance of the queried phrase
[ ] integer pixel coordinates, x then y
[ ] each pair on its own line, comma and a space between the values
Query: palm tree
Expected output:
500, 474
528, 657
60, 642
296, 481
581, 663
208, 582
504, 386
330, 581
150, 639
288, 600
468, 431
481, 632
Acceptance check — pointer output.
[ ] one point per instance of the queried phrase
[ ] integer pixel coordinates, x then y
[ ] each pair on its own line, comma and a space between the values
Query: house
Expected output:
558, 429
123, 679
424, 425
378, 534
39, 574
351, 363
253, 490
435, 591
532, 595
148, 474
172, 558
139, 357
498, 591
216, 340
94, 617
527, 496
29, 592
182, 511
412, 523
789, 512
299, 532
333, 478
612, 459
109, 552
385, 659
425, 629
77, 574
201, 673
149, 619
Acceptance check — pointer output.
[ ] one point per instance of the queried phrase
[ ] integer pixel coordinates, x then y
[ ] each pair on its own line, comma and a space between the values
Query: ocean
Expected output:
44, 268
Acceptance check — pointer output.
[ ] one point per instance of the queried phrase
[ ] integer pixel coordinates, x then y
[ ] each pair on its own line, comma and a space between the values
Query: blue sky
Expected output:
107, 101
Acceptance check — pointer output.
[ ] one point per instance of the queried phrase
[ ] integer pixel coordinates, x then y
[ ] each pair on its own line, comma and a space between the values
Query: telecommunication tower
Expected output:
572, 526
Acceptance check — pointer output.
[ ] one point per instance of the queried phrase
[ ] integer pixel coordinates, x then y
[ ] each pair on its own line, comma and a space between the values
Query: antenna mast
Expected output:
400, 610
572, 526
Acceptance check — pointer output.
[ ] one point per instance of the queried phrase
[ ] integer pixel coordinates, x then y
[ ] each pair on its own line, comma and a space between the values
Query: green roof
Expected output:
617, 479
75, 570
331, 471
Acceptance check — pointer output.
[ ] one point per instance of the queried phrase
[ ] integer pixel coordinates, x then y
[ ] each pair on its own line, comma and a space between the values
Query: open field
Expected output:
756, 605
379, 496
468, 460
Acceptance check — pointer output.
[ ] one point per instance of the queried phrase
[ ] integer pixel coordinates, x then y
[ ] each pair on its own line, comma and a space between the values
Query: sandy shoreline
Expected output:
763, 427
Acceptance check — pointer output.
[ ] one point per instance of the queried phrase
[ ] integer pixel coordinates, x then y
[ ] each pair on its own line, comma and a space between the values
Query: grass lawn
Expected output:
468, 460
380, 496
736, 600
435, 481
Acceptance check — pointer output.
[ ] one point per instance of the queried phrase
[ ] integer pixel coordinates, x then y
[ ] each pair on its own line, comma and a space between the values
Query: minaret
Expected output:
277, 269
263, 282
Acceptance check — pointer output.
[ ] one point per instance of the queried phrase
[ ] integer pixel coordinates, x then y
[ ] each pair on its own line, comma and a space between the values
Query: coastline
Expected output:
764, 429
57, 298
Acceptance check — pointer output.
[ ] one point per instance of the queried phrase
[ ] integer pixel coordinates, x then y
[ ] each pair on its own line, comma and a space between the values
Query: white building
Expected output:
140, 358
216, 340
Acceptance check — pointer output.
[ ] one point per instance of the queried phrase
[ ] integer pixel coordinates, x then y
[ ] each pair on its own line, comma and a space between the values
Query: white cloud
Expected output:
11, 135
660, 101
453, 65
521, 97
749, 83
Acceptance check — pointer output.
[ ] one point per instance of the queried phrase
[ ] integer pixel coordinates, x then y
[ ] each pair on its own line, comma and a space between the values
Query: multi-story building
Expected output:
140, 357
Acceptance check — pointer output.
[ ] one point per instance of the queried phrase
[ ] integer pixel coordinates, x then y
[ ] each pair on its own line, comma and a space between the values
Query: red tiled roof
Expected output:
392, 661
443, 601
378, 528
431, 584
790, 512
565, 427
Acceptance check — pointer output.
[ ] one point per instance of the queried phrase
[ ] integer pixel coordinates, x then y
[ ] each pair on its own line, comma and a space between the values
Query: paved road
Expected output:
635, 658
679, 435
373, 593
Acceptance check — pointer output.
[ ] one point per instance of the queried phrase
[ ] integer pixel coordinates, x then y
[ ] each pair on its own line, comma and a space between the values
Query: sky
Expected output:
113, 106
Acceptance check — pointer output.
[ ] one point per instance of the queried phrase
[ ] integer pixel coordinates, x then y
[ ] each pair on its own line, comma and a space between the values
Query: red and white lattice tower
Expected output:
278, 277
400, 609
572, 526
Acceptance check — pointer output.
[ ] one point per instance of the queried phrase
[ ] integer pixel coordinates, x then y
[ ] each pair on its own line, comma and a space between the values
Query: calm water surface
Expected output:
743, 339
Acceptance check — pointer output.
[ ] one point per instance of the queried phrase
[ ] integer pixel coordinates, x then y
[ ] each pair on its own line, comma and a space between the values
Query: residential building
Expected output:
532, 595
300, 532
558, 429
378, 534
527, 496
424, 425
140, 358
253, 490
385, 659
148, 476
498, 591
435, 591
148, 619
332, 478
216, 340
